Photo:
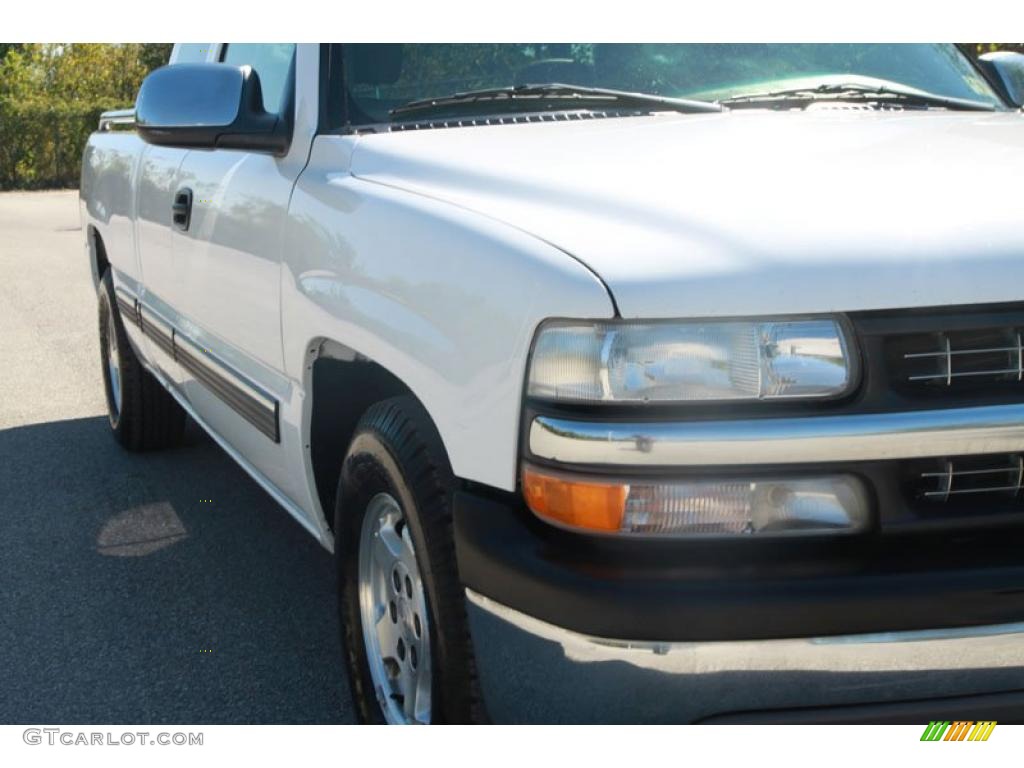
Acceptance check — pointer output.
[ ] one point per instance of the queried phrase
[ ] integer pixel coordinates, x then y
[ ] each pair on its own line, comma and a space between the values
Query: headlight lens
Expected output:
715, 361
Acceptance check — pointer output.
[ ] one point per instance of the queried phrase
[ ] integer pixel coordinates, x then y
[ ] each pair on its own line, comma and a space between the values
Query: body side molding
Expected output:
244, 397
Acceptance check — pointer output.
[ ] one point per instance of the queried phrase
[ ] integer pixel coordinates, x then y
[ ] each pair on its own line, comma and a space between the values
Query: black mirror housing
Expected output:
209, 106
1006, 69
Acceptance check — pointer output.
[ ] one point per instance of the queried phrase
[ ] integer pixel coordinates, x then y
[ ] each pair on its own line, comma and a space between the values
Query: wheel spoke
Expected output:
387, 635
390, 543
382, 551
421, 698
407, 553
410, 690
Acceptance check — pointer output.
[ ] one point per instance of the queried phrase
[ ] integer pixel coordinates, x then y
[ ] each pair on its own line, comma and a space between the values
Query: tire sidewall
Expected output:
369, 469
106, 309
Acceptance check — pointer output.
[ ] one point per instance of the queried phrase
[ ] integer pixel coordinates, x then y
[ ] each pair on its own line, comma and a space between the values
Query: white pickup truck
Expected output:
626, 382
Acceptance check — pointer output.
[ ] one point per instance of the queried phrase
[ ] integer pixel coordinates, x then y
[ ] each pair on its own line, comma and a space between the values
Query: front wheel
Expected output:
404, 628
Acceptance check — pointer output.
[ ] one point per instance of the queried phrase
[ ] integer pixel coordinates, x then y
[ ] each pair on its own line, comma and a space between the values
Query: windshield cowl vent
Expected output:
481, 120
846, 106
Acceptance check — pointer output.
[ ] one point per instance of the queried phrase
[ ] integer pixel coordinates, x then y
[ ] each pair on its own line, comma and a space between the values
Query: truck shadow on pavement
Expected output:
156, 588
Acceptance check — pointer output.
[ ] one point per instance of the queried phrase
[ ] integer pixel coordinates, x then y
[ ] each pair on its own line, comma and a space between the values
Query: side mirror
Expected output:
209, 105
1006, 68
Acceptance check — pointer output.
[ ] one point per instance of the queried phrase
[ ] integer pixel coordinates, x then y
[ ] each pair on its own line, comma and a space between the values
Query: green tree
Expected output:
979, 48
51, 96
155, 55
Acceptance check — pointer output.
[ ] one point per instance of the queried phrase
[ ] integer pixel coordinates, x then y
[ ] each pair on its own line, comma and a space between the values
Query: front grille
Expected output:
947, 359
951, 492
943, 357
933, 359
1000, 476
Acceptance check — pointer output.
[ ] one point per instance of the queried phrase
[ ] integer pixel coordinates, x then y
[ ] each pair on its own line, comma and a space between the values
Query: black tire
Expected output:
396, 450
149, 417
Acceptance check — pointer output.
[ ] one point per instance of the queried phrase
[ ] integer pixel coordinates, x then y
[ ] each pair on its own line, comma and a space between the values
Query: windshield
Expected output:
382, 77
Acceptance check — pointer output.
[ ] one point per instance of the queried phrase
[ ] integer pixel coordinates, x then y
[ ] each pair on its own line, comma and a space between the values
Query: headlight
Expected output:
691, 361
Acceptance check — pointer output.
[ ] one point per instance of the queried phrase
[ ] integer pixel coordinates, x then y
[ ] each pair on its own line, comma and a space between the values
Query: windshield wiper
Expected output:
855, 91
541, 97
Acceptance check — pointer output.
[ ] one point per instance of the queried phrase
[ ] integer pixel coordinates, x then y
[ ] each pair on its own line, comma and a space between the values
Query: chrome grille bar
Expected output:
948, 356
797, 440
1002, 470
1020, 359
956, 352
947, 479
949, 363
949, 376
993, 489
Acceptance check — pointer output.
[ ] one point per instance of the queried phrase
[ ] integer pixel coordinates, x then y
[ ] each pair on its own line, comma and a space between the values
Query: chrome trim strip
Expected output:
117, 118
691, 681
869, 638
923, 635
808, 440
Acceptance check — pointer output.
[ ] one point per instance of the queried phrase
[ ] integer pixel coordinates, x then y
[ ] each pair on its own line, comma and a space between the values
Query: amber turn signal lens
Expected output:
587, 504
700, 506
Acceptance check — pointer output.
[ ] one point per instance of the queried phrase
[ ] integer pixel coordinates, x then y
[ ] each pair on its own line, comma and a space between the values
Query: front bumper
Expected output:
570, 628
532, 671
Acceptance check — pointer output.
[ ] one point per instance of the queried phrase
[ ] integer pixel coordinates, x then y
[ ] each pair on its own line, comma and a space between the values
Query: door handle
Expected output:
181, 208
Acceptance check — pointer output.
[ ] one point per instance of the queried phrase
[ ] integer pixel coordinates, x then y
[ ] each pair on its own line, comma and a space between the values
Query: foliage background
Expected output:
52, 94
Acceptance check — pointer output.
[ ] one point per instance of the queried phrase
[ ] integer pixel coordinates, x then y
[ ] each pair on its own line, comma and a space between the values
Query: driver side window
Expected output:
271, 61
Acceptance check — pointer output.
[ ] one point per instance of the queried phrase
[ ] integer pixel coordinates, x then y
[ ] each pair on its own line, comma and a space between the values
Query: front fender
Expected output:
445, 299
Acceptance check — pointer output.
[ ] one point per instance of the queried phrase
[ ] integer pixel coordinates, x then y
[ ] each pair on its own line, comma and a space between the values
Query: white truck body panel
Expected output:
443, 298
681, 214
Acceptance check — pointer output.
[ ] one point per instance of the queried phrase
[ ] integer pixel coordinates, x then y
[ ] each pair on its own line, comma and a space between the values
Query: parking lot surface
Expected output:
135, 588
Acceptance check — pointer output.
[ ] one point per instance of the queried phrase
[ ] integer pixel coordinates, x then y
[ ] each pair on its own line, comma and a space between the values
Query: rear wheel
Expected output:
143, 415
402, 608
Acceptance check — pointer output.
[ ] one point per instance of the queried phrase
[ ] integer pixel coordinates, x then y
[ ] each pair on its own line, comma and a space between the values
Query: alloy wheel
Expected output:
393, 609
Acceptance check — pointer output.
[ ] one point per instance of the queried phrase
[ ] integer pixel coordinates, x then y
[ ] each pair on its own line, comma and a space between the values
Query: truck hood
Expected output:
749, 212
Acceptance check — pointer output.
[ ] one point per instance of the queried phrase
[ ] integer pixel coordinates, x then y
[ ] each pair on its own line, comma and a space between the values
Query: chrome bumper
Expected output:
805, 440
531, 671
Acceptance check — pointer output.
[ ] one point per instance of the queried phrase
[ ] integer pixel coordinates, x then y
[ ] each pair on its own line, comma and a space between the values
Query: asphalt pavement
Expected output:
135, 588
